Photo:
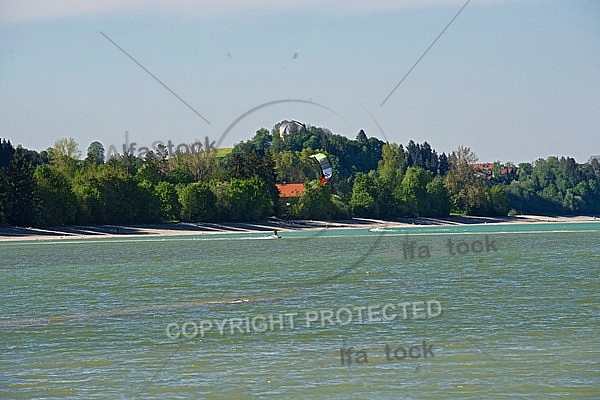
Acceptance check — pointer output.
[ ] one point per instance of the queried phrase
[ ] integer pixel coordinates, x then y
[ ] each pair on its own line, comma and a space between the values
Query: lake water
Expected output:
500, 311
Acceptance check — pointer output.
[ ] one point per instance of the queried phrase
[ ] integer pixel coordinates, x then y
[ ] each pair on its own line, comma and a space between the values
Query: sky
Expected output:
514, 80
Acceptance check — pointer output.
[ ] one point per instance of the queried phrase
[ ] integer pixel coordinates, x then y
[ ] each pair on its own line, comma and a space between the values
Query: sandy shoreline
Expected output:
183, 229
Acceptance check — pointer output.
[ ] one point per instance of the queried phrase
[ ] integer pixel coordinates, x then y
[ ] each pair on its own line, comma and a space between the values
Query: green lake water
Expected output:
504, 311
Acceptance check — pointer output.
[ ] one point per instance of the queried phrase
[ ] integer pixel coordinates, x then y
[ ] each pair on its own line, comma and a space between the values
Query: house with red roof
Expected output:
290, 190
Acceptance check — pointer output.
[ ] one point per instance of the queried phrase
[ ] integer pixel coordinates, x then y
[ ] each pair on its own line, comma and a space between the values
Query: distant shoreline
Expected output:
11, 234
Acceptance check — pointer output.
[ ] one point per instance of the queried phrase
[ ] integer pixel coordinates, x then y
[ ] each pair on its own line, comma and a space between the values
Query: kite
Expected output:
325, 165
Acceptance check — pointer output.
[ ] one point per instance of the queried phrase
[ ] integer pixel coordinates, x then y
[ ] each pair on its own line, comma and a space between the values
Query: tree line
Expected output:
371, 178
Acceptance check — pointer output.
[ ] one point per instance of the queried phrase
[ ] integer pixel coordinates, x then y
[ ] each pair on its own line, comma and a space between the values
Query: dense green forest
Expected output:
371, 179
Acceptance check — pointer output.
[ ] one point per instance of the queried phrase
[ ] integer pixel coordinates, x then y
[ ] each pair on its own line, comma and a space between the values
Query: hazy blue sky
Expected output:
513, 80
